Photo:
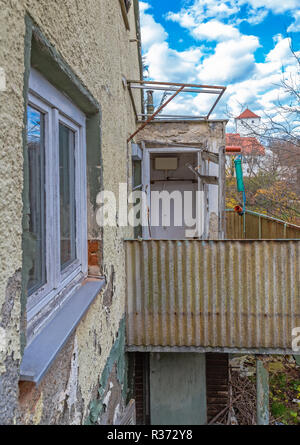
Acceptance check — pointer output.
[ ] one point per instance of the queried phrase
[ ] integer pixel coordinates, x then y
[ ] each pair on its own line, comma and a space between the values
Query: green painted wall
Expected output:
177, 389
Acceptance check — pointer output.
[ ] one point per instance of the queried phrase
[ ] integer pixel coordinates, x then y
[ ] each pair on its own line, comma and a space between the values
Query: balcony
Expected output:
228, 296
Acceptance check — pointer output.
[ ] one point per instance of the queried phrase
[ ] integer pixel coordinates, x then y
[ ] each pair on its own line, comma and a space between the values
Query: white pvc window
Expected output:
57, 235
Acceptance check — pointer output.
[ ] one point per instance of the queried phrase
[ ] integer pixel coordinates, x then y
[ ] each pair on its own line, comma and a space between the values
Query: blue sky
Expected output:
241, 44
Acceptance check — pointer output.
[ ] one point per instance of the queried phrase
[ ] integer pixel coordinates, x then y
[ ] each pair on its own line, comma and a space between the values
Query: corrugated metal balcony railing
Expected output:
238, 296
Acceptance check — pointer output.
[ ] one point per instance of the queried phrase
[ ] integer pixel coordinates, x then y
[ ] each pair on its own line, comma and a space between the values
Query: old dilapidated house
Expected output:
96, 319
65, 116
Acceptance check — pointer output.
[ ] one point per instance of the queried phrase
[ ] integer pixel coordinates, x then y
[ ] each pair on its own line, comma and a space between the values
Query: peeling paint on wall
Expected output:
65, 394
112, 390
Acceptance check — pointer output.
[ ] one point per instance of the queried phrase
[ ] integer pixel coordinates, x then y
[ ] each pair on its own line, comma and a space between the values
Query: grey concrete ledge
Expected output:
43, 350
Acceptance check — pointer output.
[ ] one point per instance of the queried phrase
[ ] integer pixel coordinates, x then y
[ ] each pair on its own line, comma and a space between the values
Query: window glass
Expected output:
55, 239
67, 196
37, 207
137, 174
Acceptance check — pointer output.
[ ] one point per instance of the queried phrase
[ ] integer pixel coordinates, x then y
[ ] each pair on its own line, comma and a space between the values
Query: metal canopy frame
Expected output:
176, 88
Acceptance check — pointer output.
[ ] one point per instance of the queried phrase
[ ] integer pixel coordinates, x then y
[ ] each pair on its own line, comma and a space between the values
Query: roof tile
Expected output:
247, 114
249, 145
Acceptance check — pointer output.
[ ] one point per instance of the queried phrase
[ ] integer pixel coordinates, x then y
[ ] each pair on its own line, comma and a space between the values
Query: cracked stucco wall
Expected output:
91, 37
210, 133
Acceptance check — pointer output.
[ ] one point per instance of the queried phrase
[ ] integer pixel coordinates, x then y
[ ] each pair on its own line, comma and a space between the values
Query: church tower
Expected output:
246, 122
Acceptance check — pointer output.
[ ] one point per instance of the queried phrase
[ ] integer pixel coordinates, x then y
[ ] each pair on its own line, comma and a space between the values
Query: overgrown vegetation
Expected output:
267, 194
285, 392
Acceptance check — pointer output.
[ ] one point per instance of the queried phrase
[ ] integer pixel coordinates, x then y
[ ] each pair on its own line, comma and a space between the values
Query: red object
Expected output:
239, 210
233, 149
248, 145
247, 114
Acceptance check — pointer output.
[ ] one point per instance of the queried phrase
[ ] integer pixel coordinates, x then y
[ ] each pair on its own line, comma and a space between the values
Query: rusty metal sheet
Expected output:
216, 295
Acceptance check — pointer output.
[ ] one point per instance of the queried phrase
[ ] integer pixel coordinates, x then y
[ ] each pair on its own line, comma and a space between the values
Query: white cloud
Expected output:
184, 18
163, 62
200, 11
232, 61
262, 91
144, 6
204, 9
215, 30
152, 32
254, 16
203, 19
167, 64
276, 6
295, 26
281, 52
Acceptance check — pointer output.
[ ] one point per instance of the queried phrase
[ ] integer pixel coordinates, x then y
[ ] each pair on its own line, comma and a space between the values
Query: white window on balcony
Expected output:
56, 254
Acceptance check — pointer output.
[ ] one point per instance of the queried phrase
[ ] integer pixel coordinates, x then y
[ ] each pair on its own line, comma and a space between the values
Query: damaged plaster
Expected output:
65, 394
108, 404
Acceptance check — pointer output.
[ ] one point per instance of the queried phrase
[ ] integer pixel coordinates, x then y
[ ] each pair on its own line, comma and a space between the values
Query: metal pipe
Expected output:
215, 104
251, 212
146, 87
175, 116
192, 85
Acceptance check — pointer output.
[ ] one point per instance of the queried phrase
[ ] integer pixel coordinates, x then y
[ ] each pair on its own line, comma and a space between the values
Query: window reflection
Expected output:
67, 195
36, 167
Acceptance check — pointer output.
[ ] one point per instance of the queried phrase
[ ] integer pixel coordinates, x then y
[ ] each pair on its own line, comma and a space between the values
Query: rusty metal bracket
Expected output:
171, 87
154, 114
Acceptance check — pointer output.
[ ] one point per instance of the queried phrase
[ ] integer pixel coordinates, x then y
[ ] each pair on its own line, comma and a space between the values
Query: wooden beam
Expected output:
262, 393
213, 180
209, 156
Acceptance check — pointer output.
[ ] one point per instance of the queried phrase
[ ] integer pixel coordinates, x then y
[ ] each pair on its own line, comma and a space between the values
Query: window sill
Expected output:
43, 350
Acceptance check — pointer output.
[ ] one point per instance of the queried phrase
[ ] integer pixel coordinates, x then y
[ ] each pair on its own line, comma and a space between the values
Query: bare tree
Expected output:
273, 180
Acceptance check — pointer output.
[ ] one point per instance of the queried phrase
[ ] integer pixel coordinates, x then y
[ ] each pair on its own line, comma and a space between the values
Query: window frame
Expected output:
57, 109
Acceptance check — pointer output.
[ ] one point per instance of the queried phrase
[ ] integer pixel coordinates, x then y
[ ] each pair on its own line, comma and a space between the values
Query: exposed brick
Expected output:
94, 246
93, 260
95, 256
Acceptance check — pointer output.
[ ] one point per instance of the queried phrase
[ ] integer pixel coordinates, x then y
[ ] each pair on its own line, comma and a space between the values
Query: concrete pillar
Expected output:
262, 393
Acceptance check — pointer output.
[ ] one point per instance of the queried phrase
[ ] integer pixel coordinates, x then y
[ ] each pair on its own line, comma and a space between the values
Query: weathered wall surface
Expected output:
211, 134
92, 39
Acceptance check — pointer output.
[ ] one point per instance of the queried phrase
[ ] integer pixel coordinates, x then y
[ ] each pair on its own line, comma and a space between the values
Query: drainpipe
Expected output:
262, 393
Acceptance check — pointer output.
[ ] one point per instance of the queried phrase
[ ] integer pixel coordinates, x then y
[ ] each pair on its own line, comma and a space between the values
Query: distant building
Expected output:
246, 122
248, 145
